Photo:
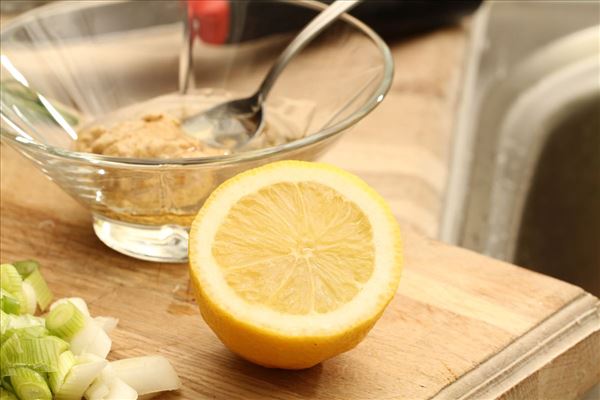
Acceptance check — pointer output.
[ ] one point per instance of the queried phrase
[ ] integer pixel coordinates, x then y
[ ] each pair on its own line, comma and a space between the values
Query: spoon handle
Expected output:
316, 26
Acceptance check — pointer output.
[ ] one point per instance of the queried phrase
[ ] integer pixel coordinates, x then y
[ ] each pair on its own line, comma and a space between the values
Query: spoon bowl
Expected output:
234, 123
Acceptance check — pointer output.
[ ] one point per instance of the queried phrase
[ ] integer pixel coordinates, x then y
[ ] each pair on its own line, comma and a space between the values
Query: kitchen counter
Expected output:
461, 325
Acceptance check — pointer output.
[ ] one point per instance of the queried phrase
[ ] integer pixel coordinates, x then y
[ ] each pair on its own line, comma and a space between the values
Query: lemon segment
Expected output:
293, 262
297, 248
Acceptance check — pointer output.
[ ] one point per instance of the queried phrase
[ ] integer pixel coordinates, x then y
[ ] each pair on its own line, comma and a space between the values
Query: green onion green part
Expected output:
6, 395
38, 353
66, 361
5, 382
65, 321
10, 280
42, 291
30, 385
26, 267
9, 303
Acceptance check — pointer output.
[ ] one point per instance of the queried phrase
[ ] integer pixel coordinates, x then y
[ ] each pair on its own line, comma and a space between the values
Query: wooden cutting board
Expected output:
460, 326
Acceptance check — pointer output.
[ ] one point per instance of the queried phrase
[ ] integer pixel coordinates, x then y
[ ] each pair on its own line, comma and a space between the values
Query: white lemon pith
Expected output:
294, 262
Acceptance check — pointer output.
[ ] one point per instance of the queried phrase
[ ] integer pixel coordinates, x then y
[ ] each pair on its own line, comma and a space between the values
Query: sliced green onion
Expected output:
147, 375
65, 362
26, 267
30, 298
40, 354
29, 270
91, 339
30, 385
100, 387
82, 374
40, 287
97, 390
119, 390
65, 321
25, 321
5, 381
9, 303
4, 323
6, 395
107, 323
10, 280
77, 302
27, 326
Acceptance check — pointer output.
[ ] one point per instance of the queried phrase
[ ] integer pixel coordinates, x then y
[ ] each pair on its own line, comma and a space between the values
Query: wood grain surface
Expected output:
454, 309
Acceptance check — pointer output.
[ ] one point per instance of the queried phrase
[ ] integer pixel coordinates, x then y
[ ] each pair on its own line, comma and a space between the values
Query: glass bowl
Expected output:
66, 64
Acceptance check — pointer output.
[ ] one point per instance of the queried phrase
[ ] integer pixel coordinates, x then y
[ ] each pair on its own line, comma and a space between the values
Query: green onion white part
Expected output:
108, 386
30, 385
65, 362
147, 375
107, 323
119, 390
76, 301
98, 390
79, 378
91, 339
30, 298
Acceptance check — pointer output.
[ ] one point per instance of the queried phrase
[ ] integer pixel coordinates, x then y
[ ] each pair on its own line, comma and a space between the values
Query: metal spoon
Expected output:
232, 124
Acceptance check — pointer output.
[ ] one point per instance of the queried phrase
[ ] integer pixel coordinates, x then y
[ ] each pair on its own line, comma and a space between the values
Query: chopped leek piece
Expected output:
65, 363
65, 321
40, 287
77, 302
91, 339
9, 303
97, 390
100, 387
5, 381
30, 385
107, 323
6, 395
4, 323
26, 267
30, 272
24, 321
82, 374
149, 374
119, 390
40, 354
30, 298
10, 280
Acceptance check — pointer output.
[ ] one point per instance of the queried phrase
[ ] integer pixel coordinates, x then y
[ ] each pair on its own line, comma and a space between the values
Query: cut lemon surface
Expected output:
294, 262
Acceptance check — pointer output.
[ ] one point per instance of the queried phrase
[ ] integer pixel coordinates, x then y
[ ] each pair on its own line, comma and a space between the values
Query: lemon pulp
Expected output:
298, 248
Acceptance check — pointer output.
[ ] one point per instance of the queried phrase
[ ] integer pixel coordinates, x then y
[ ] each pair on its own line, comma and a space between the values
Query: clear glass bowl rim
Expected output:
235, 158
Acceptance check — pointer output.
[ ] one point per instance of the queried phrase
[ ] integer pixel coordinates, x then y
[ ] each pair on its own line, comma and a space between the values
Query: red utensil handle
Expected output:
213, 18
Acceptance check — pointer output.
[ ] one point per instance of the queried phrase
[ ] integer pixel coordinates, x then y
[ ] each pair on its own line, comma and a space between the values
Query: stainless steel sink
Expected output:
525, 177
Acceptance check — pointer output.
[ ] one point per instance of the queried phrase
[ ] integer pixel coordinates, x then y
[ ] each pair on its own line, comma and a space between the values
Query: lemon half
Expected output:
294, 262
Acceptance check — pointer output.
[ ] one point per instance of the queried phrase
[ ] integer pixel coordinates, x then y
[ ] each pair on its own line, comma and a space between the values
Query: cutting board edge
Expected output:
574, 323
